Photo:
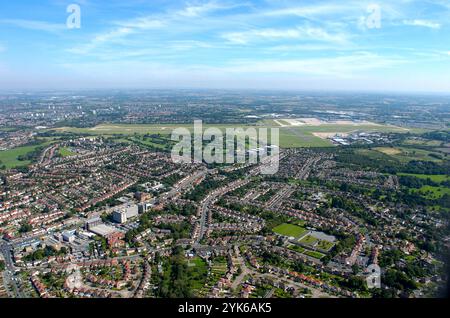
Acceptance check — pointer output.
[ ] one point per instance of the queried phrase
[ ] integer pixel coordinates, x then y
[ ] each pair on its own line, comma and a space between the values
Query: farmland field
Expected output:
409, 154
389, 150
401, 154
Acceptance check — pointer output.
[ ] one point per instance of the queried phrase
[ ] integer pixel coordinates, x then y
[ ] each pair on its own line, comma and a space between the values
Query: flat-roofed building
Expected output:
103, 230
125, 212
93, 222
68, 236
120, 217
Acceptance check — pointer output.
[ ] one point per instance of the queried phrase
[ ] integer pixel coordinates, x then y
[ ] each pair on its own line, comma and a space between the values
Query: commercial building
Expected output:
125, 212
93, 222
120, 217
103, 230
68, 236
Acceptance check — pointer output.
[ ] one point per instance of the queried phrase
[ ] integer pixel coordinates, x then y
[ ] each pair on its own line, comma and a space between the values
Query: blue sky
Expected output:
279, 44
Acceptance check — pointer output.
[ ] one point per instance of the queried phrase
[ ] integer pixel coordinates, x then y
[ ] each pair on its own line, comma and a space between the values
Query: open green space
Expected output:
10, 158
219, 268
197, 272
301, 223
309, 240
409, 154
296, 248
290, 137
66, 152
314, 254
423, 142
402, 154
290, 230
147, 142
438, 178
296, 138
433, 193
324, 245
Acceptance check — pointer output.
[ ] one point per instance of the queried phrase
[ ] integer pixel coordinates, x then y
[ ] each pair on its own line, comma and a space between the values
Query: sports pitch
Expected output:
290, 230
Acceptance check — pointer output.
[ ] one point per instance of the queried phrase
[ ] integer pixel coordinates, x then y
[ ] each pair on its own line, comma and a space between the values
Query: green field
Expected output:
197, 272
401, 154
324, 245
289, 230
296, 248
438, 178
309, 240
409, 154
66, 152
424, 142
433, 192
9, 158
290, 137
219, 268
308, 252
299, 223
314, 254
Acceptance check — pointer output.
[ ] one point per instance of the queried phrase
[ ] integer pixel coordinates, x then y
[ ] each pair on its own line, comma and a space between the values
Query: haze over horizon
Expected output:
264, 44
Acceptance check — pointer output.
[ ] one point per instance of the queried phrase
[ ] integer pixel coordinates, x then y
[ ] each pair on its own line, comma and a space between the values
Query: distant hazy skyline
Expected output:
271, 44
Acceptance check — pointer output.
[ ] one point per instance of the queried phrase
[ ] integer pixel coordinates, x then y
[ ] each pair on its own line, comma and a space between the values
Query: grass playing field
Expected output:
289, 230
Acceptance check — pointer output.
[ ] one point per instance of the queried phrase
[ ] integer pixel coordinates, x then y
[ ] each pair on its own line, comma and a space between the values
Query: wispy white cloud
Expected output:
422, 23
141, 23
99, 39
299, 33
190, 44
339, 66
121, 30
35, 25
171, 20
311, 11
245, 37
206, 39
296, 48
195, 10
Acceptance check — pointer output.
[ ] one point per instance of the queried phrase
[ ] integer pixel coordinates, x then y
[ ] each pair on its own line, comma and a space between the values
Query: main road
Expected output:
10, 270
